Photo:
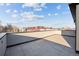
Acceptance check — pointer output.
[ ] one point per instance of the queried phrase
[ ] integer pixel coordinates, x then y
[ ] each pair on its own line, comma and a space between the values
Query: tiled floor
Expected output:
45, 47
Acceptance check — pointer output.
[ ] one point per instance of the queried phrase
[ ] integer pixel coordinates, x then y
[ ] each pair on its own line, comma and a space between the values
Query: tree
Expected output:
1, 27
10, 27
0, 22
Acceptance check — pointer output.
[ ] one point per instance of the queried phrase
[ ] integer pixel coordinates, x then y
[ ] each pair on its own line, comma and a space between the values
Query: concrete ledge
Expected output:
3, 43
2, 35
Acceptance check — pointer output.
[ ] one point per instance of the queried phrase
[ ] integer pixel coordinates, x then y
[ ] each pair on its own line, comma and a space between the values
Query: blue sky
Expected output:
36, 14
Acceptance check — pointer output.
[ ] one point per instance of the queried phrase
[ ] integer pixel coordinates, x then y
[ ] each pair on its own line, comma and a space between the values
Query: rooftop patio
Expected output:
47, 43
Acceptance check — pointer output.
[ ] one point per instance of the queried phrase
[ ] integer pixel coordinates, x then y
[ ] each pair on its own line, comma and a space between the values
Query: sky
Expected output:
56, 15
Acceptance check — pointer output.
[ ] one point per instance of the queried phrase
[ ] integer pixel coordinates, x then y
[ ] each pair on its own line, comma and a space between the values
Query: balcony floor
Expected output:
53, 45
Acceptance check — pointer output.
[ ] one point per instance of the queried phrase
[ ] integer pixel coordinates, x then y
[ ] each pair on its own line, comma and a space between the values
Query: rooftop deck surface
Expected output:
52, 45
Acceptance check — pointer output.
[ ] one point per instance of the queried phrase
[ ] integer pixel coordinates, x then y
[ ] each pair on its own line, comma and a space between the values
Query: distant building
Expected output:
38, 28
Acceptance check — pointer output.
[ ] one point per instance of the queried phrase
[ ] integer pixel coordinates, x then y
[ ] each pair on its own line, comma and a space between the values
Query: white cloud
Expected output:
7, 4
65, 12
30, 5
49, 14
43, 4
8, 11
58, 7
2, 23
1, 4
30, 16
15, 11
35, 6
68, 7
11, 11
38, 9
14, 15
56, 14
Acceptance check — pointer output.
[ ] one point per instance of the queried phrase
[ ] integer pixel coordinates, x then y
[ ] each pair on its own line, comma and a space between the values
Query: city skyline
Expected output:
36, 14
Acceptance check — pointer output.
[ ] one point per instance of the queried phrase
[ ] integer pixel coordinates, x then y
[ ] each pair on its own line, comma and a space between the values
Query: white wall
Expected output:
2, 46
77, 27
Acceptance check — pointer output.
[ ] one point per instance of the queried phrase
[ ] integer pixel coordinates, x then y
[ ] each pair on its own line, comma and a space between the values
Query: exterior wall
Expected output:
73, 10
77, 27
3, 46
68, 32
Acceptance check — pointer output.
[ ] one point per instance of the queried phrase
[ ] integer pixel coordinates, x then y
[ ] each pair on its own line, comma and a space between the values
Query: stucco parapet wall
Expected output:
2, 35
